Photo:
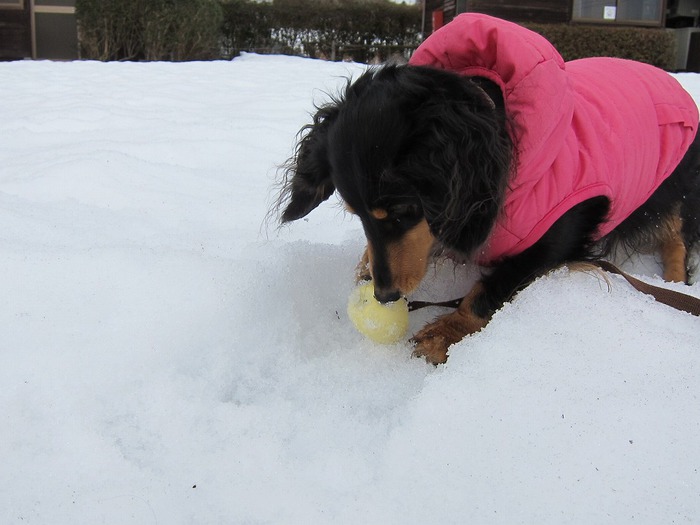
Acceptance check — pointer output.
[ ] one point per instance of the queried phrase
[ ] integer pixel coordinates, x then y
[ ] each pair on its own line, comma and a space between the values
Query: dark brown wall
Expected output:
15, 33
542, 11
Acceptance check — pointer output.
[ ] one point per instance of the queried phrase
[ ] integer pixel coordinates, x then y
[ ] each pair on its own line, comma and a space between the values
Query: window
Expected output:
55, 29
630, 12
56, 3
11, 4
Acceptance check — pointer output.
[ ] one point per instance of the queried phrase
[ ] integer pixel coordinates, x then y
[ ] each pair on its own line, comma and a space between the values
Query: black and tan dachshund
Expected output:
425, 159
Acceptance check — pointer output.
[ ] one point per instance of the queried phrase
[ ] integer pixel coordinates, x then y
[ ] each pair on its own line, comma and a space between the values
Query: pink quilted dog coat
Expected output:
585, 128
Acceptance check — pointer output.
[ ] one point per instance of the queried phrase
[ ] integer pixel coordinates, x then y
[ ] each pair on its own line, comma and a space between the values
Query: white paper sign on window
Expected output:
609, 12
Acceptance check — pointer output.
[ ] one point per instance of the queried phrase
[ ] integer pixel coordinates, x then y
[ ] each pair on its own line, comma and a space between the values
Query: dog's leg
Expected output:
569, 239
433, 341
693, 265
673, 252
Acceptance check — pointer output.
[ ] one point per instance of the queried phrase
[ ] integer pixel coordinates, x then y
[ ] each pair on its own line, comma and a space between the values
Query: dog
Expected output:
487, 146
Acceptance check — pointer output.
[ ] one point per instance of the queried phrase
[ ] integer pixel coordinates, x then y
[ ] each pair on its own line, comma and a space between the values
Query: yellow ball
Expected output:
382, 323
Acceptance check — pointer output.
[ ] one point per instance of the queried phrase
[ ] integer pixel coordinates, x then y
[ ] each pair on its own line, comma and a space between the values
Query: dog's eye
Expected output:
388, 217
397, 217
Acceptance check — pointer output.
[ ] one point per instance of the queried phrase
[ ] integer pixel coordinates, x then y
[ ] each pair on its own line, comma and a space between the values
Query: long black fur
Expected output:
404, 133
424, 143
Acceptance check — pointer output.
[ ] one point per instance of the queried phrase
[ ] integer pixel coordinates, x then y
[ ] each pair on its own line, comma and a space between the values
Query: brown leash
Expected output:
677, 300
417, 305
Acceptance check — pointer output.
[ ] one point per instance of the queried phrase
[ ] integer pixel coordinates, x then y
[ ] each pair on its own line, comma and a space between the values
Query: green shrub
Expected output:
182, 29
334, 30
109, 29
247, 26
149, 29
653, 46
365, 29
362, 30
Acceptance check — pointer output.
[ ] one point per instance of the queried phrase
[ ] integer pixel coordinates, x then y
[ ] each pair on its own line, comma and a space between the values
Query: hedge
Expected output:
362, 31
365, 30
653, 46
149, 29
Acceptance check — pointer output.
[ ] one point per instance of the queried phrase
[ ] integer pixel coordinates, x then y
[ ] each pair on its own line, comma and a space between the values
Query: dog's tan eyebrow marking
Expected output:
379, 213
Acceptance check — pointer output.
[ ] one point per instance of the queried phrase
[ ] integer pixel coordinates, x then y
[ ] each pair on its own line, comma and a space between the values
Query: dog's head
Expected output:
419, 155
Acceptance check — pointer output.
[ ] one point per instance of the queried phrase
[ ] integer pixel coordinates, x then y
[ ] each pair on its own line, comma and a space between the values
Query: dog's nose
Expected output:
386, 296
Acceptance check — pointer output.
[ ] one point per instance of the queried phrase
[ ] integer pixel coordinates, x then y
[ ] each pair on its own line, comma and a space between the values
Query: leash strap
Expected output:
677, 300
417, 305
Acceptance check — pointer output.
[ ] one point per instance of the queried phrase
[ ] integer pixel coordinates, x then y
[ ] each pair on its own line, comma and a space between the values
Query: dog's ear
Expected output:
307, 175
467, 150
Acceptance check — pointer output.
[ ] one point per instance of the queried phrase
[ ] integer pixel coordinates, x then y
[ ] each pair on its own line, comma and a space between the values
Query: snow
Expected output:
169, 356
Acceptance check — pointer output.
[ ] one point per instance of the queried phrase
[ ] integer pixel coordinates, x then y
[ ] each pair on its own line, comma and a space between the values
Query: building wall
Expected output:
610, 12
15, 29
541, 11
38, 29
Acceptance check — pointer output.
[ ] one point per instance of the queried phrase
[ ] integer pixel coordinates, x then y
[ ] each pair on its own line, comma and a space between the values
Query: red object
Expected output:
438, 19
590, 127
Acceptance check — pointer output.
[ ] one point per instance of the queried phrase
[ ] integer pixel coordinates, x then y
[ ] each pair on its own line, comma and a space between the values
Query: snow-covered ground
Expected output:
168, 357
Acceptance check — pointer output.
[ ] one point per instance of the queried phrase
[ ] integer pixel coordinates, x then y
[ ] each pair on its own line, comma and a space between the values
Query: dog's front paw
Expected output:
432, 347
433, 341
